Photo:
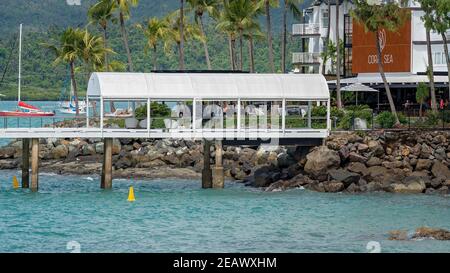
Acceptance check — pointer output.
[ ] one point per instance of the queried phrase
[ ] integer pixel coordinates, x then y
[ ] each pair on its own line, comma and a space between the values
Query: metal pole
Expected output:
101, 114
283, 117
20, 63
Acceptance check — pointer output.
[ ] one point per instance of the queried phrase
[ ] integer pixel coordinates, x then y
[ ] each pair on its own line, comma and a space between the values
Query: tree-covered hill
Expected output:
44, 19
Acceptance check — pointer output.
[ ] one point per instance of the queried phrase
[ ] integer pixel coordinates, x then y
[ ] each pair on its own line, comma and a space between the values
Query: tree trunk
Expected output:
155, 58
269, 36
105, 44
383, 76
420, 108
74, 84
327, 41
444, 38
284, 39
431, 72
241, 64
338, 61
182, 35
251, 54
205, 44
125, 42
231, 51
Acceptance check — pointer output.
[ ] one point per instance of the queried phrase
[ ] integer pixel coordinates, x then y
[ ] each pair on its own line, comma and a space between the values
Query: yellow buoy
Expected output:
15, 182
131, 195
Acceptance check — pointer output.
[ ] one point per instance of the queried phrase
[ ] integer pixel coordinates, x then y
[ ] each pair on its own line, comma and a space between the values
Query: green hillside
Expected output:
44, 19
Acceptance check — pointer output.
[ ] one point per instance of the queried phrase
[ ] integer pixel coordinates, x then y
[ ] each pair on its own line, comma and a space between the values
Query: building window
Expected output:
325, 18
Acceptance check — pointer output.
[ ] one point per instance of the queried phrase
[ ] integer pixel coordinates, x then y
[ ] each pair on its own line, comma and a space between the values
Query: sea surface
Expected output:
71, 212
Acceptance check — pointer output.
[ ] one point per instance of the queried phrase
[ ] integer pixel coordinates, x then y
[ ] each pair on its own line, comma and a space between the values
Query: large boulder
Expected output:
376, 148
344, 176
423, 164
60, 151
358, 167
355, 157
411, 184
320, 160
439, 169
7, 152
263, 176
333, 186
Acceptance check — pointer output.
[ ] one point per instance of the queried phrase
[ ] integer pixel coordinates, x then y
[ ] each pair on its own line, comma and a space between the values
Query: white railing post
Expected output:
87, 112
101, 115
148, 117
194, 115
239, 115
283, 117
329, 115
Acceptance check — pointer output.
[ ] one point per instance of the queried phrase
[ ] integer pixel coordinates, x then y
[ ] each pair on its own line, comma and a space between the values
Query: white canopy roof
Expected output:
207, 86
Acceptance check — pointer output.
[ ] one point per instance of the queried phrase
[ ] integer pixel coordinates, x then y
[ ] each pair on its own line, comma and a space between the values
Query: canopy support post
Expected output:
309, 114
283, 117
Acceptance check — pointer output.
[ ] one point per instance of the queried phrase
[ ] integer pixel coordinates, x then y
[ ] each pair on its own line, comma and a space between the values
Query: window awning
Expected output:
398, 79
207, 86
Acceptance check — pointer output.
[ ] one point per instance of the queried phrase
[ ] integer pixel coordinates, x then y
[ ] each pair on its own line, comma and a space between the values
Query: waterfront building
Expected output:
404, 53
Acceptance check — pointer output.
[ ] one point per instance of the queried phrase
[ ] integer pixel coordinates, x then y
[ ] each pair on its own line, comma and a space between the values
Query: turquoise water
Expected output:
177, 216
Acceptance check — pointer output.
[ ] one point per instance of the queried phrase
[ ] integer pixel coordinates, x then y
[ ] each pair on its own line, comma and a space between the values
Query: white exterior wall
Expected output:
418, 60
316, 44
419, 48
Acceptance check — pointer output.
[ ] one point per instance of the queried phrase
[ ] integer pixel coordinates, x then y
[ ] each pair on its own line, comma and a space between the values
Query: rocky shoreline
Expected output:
397, 162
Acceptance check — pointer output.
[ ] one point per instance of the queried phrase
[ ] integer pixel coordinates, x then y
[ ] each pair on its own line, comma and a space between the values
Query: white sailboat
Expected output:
69, 106
24, 109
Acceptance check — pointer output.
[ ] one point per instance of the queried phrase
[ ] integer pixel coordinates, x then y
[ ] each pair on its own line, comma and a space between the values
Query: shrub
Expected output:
157, 110
319, 111
362, 112
432, 119
386, 120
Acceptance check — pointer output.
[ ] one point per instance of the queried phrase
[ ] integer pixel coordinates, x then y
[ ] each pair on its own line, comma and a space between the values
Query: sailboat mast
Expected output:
20, 63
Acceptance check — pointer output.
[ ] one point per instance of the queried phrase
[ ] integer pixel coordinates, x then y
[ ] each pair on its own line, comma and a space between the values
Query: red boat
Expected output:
29, 111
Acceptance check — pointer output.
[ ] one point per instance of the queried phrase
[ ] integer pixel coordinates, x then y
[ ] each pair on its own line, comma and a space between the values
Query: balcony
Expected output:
306, 29
306, 58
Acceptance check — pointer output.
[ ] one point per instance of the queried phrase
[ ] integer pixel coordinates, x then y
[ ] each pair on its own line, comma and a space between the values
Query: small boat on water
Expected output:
24, 109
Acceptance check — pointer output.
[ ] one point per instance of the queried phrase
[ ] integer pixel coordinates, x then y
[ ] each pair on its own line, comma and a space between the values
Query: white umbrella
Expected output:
359, 87
181, 109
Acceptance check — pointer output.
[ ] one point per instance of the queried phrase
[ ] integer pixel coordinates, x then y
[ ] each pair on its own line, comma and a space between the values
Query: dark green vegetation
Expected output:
44, 20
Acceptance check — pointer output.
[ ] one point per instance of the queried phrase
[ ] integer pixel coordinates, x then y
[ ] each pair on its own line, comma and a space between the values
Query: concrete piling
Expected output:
34, 164
106, 180
206, 172
25, 163
218, 173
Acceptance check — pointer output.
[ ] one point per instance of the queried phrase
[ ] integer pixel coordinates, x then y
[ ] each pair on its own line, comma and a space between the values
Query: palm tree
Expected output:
155, 30
327, 41
338, 59
200, 7
181, 29
225, 25
374, 18
289, 5
270, 4
253, 32
240, 15
67, 50
174, 35
124, 13
102, 13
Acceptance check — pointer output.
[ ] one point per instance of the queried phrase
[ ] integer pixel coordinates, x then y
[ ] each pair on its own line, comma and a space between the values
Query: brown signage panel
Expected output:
396, 50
